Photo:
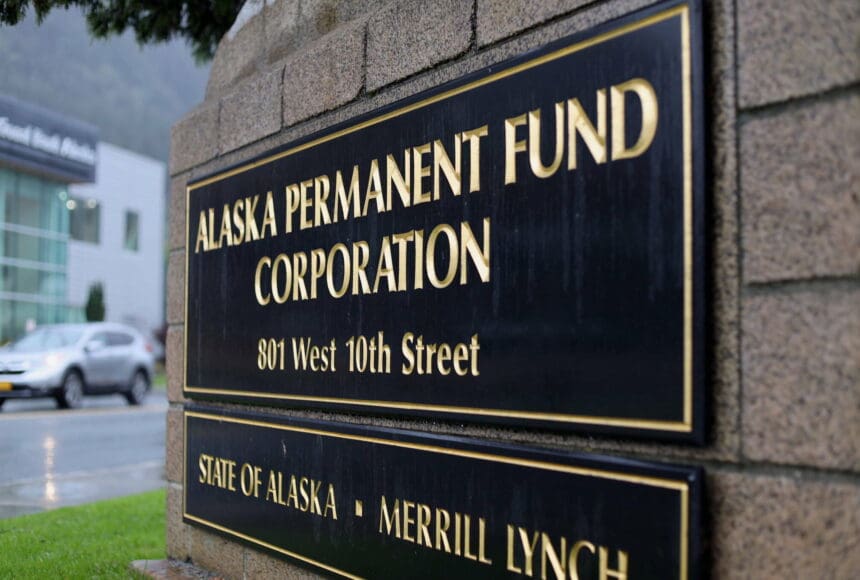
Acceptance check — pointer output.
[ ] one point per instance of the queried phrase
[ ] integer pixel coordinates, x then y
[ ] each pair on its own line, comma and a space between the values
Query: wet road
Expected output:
51, 458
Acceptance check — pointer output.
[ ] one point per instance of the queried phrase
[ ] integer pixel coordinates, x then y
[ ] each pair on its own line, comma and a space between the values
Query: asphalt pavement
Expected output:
51, 458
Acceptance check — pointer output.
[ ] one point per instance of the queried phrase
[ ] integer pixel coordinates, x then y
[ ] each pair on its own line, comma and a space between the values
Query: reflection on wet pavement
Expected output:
52, 458
31, 496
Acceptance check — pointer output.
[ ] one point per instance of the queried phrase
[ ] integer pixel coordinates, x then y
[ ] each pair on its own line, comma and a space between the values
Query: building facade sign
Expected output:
364, 502
524, 245
46, 143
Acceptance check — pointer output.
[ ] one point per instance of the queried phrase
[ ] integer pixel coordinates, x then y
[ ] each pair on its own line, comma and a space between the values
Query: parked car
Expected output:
68, 361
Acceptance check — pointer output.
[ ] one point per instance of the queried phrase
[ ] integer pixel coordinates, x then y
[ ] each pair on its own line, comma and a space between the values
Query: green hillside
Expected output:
132, 94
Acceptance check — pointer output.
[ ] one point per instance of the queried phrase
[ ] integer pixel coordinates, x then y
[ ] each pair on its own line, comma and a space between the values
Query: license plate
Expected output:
5, 386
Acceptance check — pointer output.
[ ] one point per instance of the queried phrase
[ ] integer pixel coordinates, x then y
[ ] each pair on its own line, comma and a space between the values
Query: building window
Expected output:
132, 231
84, 218
34, 232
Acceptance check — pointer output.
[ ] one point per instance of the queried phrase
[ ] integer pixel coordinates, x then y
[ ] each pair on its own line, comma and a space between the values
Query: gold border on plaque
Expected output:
681, 487
683, 426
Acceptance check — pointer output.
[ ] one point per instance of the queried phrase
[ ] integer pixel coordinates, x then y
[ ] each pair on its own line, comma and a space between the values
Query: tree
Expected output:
95, 308
201, 23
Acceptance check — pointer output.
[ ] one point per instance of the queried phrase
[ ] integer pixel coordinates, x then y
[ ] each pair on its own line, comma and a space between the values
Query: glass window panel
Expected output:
132, 222
84, 218
33, 281
27, 281
27, 200
34, 248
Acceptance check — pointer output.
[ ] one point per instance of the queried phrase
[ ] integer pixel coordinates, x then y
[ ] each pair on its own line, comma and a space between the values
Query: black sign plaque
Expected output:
524, 245
363, 502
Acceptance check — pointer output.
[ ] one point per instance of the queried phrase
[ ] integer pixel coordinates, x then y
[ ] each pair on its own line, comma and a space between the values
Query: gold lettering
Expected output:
511, 567
401, 241
648, 102
211, 227
344, 197
408, 520
251, 231
442, 164
269, 217
529, 546
293, 493
452, 253
537, 166
420, 171
315, 497
605, 571
400, 180
305, 221
318, 262
203, 462
202, 235
226, 227
578, 122
359, 277
467, 530
271, 488
474, 139
238, 221
300, 268
419, 260
322, 188
572, 563
482, 542
374, 189
330, 502
409, 365
335, 291
548, 553
305, 502
443, 522
293, 198
281, 297
385, 267
424, 517
512, 147
479, 255
258, 291
390, 519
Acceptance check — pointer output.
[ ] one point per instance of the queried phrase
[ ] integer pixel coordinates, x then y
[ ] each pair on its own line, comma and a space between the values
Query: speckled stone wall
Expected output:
782, 461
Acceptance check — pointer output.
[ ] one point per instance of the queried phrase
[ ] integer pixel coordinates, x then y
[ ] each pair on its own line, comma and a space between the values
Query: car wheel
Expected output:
139, 387
1, 403
71, 393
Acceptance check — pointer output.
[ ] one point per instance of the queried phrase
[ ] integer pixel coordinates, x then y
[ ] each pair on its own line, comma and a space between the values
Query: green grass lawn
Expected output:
98, 540
159, 380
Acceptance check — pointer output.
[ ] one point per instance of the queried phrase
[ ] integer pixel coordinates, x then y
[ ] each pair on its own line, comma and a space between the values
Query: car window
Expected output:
101, 337
46, 338
119, 339
70, 335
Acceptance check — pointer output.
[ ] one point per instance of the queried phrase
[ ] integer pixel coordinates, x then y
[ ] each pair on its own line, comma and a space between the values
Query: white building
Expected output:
116, 237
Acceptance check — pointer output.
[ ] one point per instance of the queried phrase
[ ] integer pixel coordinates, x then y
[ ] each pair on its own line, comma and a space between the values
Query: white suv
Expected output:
67, 361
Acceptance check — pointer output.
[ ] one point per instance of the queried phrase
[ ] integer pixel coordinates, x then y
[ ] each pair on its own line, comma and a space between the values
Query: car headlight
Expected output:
54, 360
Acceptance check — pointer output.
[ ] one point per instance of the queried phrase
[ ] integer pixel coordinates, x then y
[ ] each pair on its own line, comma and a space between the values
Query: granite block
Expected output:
194, 138
176, 287
799, 189
781, 527
792, 49
801, 376
252, 111
328, 74
409, 36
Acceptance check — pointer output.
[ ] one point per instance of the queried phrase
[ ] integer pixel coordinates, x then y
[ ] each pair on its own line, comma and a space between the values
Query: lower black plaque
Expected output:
369, 502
